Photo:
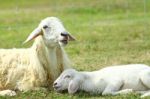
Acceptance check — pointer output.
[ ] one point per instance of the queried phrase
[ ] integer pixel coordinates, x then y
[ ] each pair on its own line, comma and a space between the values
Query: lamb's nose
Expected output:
55, 84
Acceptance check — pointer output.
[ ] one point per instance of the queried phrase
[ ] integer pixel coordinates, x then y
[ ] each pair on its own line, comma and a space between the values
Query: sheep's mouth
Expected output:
64, 41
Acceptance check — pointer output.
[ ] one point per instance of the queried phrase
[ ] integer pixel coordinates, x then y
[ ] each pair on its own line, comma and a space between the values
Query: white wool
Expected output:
38, 66
108, 81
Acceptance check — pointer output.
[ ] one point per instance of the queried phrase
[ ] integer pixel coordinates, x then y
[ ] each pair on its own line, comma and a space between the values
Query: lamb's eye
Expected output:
67, 76
45, 26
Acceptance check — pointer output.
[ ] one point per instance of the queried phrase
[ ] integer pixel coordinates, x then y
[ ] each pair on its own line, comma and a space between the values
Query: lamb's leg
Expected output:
146, 94
112, 88
7, 93
141, 92
121, 92
124, 91
145, 79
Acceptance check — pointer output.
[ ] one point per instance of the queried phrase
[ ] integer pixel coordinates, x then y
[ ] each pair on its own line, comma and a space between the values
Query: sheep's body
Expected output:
39, 65
25, 69
114, 80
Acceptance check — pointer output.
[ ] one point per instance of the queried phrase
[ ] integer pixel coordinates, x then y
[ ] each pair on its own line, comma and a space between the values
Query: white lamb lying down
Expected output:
107, 81
38, 66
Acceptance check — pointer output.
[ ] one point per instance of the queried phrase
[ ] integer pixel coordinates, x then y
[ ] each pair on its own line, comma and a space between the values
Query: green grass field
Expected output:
108, 32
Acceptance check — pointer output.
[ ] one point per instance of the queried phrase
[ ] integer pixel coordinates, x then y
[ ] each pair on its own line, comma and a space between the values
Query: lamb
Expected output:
107, 81
38, 66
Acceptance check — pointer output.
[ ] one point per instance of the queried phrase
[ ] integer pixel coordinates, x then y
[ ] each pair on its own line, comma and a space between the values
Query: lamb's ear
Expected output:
73, 86
71, 38
36, 32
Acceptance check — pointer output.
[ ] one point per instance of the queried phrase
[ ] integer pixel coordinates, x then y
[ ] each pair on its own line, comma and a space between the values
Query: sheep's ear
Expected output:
36, 32
73, 86
71, 38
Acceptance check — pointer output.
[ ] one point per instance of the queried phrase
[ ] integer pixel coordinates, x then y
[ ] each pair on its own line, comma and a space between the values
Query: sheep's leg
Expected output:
40, 89
25, 89
7, 93
112, 88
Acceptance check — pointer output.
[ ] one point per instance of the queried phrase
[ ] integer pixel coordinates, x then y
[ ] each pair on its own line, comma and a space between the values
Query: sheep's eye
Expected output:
45, 26
67, 76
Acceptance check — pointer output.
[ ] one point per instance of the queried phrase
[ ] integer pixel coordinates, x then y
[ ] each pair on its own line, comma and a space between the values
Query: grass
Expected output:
108, 32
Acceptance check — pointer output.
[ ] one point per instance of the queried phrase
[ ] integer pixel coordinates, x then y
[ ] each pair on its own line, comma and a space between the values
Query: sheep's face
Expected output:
62, 82
52, 31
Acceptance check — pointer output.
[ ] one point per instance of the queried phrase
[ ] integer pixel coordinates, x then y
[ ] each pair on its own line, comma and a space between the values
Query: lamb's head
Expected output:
52, 31
69, 79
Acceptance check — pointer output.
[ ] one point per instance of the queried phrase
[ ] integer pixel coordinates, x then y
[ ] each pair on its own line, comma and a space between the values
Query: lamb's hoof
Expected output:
145, 95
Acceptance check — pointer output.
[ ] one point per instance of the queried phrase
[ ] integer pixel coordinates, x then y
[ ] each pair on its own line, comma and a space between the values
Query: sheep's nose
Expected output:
64, 34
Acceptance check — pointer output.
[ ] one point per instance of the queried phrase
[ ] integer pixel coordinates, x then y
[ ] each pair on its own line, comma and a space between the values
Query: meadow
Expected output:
108, 32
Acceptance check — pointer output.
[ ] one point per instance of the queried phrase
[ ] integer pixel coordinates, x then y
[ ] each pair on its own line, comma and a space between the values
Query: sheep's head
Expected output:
69, 79
52, 31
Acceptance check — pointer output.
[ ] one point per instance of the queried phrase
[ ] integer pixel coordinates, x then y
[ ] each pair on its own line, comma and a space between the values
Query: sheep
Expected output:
36, 67
107, 81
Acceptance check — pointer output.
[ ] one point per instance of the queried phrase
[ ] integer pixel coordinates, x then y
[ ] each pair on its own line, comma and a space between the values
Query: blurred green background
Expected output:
108, 32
